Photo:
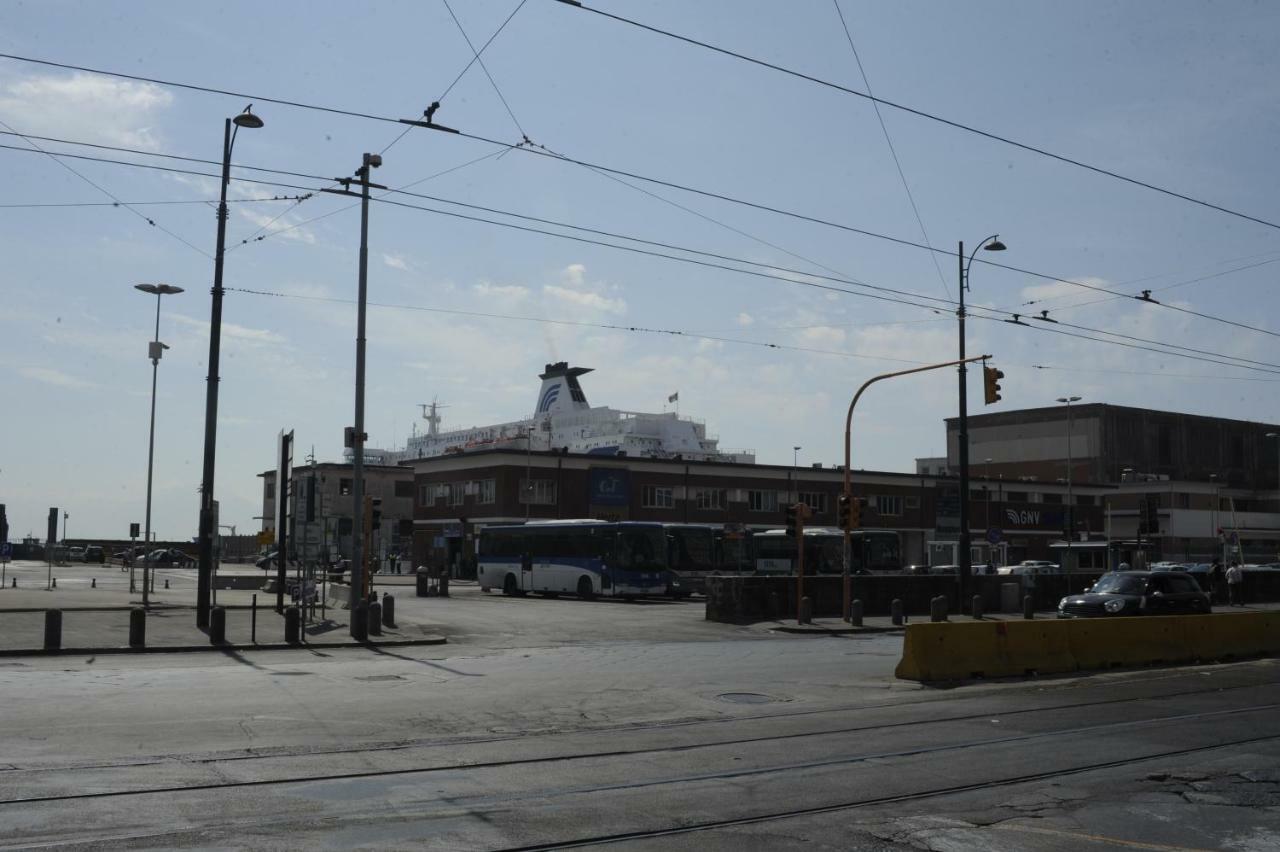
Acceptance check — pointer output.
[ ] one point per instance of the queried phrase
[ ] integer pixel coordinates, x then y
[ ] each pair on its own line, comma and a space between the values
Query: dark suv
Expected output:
1137, 593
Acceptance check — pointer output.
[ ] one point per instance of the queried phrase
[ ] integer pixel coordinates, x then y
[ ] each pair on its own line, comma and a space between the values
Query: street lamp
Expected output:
204, 577
154, 350
1071, 506
991, 243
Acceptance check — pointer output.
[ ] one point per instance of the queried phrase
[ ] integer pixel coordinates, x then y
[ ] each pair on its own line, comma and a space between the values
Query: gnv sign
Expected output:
1024, 517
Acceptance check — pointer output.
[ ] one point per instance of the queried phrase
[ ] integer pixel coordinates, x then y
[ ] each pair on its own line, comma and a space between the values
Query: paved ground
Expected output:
553, 723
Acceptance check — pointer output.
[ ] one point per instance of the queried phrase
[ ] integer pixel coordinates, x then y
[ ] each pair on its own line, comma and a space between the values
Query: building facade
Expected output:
321, 509
456, 496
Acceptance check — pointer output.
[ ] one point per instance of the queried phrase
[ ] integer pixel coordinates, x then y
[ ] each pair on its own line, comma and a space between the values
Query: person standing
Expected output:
1235, 585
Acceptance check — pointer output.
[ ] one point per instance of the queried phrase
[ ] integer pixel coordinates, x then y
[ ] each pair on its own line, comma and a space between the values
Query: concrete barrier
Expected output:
942, 651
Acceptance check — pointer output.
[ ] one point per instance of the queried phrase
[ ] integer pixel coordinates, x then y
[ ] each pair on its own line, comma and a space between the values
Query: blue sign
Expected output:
6, 549
994, 535
609, 486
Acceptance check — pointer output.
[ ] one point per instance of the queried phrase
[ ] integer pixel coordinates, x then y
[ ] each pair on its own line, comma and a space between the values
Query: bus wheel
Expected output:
585, 590
510, 586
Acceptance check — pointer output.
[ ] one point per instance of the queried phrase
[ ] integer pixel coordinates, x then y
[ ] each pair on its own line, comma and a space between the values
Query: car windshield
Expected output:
1119, 584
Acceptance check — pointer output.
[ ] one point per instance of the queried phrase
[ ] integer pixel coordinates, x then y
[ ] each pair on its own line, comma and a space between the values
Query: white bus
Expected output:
586, 558
870, 551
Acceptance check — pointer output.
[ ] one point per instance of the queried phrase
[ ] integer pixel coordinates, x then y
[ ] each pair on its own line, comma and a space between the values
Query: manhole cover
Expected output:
292, 674
380, 677
746, 698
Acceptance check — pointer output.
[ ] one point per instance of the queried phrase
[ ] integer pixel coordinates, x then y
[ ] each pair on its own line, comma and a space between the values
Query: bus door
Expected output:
526, 572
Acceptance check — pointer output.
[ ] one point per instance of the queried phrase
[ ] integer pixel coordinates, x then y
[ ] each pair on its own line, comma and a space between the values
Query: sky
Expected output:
1176, 94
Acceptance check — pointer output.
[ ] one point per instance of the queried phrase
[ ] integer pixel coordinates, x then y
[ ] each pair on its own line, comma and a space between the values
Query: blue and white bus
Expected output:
586, 558
871, 551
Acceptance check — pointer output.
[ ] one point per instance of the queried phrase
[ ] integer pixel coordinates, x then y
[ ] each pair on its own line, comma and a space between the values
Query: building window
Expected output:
815, 500
344, 487
1084, 499
1035, 497
709, 498
912, 502
657, 497
538, 492
486, 491
456, 492
404, 488
271, 491
1182, 500
1016, 496
888, 506
1053, 499
426, 494
762, 501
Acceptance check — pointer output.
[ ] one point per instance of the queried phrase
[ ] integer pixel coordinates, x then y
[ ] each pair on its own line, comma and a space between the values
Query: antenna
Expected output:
431, 414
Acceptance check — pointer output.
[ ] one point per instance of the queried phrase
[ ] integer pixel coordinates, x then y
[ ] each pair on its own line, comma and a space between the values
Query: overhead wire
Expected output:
35, 205
893, 151
658, 181
148, 219
923, 114
751, 272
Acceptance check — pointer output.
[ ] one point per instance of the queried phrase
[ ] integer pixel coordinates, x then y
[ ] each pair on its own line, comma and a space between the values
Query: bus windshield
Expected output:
691, 549
642, 549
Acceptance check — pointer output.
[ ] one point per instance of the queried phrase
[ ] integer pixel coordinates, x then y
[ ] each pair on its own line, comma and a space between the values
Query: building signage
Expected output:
609, 486
453, 530
1037, 518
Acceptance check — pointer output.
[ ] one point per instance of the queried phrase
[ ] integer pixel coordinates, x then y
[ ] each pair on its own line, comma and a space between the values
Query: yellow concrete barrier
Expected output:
956, 651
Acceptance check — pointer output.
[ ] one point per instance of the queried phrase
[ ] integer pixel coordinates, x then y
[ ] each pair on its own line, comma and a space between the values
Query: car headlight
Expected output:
1062, 604
1114, 605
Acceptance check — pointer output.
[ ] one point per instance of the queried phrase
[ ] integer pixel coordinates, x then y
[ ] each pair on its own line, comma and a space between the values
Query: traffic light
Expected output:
991, 384
843, 512
377, 513
791, 521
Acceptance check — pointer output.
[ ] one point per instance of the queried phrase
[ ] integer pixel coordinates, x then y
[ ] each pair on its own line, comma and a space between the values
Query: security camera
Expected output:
375, 160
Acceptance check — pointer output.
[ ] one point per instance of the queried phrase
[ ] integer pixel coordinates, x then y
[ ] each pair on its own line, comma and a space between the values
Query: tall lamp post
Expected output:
1071, 505
1275, 436
795, 483
991, 243
154, 350
204, 577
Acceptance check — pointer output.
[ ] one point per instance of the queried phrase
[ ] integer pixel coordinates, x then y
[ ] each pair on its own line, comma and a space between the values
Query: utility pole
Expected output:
358, 567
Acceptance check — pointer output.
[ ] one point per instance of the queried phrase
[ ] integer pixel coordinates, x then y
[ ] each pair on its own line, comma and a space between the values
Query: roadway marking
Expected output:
1098, 838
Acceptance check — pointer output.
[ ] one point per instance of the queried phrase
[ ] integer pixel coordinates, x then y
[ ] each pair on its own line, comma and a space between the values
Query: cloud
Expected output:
79, 105
574, 274
745, 319
396, 261
824, 335
1054, 290
586, 299
260, 336
502, 292
285, 226
57, 378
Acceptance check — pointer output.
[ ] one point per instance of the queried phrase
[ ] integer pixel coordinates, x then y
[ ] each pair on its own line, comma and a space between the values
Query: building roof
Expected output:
1088, 409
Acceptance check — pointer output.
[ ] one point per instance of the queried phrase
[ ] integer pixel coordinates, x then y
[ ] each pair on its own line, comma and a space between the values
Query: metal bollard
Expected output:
217, 626
938, 609
55, 583
976, 607
15, 583
1028, 607
388, 611
806, 611
292, 625
166, 582
137, 627
53, 629
895, 612
375, 618
93, 584
855, 612
360, 622
253, 621
444, 585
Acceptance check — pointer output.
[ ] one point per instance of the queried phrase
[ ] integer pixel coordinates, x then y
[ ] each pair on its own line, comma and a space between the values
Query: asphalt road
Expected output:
552, 724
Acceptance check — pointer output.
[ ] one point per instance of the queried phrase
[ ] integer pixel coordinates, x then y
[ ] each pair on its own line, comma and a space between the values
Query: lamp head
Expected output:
247, 119
158, 289
995, 244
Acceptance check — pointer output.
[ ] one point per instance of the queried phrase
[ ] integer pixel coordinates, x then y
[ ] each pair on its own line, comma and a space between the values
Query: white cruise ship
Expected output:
563, 419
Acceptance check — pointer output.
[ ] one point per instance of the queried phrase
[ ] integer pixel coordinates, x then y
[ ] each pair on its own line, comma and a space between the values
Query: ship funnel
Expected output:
560, 390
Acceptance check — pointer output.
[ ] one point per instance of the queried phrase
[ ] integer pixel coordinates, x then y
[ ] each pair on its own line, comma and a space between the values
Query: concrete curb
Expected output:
187, 649
812, 630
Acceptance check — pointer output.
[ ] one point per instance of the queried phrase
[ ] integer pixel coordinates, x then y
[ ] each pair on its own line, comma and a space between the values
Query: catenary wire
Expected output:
148, 219
893, 151
926, 115
532, 150
475, 55
42, 204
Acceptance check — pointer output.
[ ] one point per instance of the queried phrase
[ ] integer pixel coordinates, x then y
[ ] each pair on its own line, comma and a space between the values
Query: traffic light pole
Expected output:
847, 495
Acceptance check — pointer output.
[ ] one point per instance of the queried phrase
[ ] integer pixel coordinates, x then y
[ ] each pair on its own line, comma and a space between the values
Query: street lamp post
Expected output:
991, 243
154, 349
1071, 506
65, 517
204, 576
795, 483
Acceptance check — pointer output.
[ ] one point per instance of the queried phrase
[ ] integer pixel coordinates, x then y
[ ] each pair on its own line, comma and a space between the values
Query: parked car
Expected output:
1137, 593
168, 556
75, 554
94, 553
1032, 566
268, 561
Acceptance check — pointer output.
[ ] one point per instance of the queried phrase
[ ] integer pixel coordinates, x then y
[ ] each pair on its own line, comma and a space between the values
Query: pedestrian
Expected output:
1216, 581
1235, 585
